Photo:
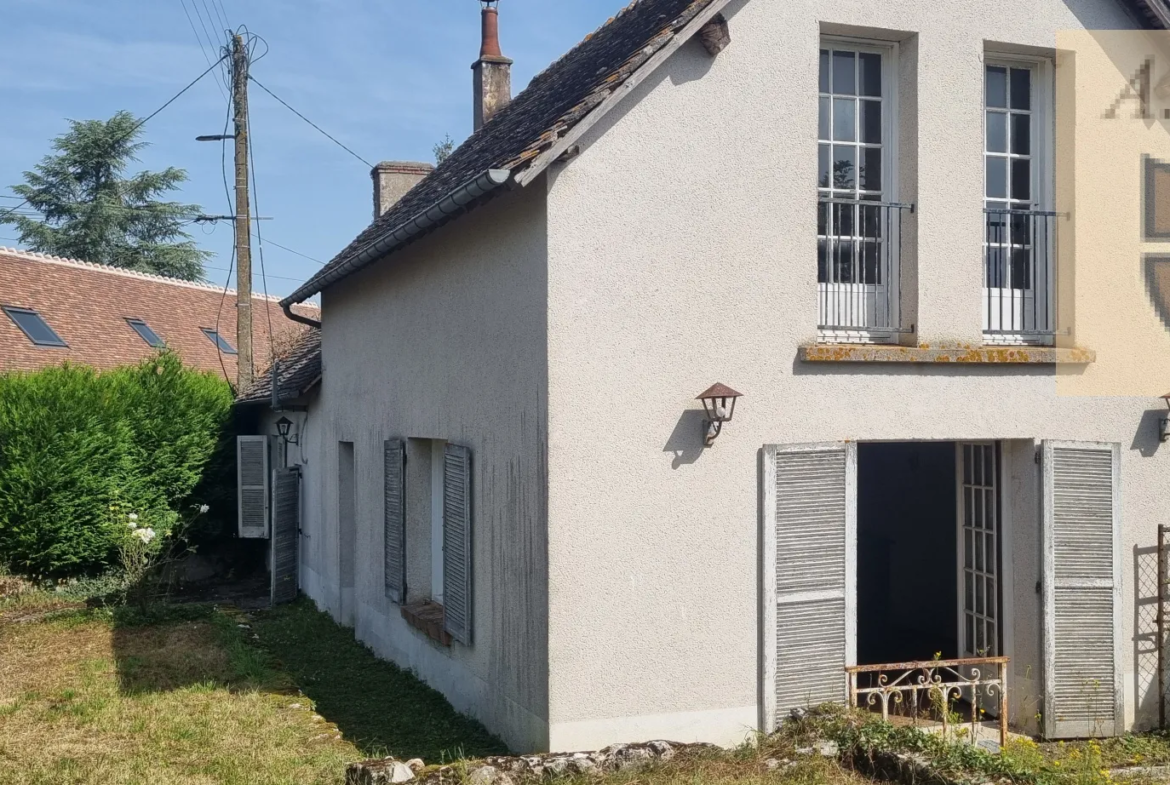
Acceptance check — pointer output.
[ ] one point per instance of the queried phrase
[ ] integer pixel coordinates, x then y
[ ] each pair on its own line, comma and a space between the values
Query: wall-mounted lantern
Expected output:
1164, 422
719, 402
284, 428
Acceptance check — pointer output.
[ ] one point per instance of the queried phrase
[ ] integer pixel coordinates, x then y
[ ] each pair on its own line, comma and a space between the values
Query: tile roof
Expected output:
556, 101
553, 103
1155, 13
88, 305
297, 370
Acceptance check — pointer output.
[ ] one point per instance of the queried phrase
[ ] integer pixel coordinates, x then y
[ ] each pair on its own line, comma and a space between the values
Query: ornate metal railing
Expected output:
934, 690
859, 258
1019, 275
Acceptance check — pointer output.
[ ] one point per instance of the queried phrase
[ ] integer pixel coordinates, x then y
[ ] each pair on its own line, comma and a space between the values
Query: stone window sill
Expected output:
427, 617
968, 355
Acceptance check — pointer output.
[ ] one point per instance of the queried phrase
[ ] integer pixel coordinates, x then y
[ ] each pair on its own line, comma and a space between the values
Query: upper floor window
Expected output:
33, 325
1020, 228
145, 333
857, 270
219, 341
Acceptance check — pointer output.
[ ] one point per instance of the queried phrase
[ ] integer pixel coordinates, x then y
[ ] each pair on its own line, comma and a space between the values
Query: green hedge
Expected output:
76, 444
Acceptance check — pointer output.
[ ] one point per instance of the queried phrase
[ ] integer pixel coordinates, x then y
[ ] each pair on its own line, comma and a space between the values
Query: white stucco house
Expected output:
848, 212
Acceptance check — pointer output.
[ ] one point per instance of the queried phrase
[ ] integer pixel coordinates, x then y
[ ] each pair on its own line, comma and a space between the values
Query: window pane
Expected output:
822, 261
824, 70
844, 166
1022, 134
995, 266
1021, 179
1021, 268
871, 74
147, 334
844, 73
1021, 88
996, 178
871, 169
823, 172
871, 122
843, 259
843, 220
996, 132
997, 87
844, 120
823, 121
35, 327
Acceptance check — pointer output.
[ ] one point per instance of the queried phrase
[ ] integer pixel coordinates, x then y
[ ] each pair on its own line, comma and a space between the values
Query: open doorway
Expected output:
907, 546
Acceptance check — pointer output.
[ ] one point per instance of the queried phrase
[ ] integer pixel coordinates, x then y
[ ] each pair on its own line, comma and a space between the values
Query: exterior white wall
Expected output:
447, 341
682, 252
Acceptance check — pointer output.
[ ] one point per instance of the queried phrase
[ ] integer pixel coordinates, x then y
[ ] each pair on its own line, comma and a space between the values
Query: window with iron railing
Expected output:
859, 227
1019, 245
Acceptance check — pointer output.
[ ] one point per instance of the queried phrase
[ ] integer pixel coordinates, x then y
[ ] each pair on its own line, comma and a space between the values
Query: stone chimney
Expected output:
392, 179
493, 71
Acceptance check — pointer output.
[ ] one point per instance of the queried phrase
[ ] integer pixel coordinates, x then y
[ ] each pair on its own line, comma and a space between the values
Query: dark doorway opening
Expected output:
907, 593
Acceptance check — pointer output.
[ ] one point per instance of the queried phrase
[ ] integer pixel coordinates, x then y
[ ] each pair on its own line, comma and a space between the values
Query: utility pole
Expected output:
243, 217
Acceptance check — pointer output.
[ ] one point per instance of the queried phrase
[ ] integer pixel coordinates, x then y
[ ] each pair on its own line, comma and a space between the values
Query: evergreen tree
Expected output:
91, 210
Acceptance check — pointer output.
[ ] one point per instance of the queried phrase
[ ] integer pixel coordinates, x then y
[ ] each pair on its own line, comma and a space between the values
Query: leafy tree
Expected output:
443, 149
91, 210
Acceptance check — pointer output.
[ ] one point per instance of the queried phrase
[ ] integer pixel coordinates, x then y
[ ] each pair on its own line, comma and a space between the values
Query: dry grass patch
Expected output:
84, 700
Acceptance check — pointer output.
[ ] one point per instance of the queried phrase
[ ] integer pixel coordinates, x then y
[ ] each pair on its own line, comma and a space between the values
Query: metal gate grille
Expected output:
1163, 597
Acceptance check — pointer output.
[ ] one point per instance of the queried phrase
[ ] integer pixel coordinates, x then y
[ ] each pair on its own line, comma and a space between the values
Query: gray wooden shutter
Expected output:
810, 534
286, 534
457, 577
394, 519
252, 486
1083, 691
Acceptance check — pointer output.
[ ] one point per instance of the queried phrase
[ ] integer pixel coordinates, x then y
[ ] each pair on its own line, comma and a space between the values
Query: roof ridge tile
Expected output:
37, 256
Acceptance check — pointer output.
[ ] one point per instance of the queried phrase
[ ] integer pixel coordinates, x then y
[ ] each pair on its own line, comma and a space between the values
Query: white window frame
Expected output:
1043, 188
889, 51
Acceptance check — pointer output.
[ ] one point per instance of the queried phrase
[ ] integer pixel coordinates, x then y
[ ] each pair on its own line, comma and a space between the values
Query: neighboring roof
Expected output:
1155, 13
88, 305
297, 371
522, 135
543, 120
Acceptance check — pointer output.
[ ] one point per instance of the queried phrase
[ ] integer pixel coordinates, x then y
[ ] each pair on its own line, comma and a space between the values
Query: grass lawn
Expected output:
94, 696
194, 694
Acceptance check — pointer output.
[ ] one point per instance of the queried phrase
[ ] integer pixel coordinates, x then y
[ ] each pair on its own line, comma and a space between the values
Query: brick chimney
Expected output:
392, 179
493, 71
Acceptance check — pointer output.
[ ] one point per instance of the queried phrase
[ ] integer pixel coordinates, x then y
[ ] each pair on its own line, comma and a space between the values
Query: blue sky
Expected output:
387, 77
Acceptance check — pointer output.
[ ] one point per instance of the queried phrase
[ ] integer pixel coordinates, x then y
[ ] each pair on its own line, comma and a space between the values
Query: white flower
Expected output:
203, 508
132, 525
146, 535
133, 516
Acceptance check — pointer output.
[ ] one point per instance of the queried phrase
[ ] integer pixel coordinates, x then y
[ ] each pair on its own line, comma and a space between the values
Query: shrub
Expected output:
75, 443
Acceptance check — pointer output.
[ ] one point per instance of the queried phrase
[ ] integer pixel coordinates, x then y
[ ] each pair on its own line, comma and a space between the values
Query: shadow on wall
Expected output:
1147, 440
686, 440
1145, 635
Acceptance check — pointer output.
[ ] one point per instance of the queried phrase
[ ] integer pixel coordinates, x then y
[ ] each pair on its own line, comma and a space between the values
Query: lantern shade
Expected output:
719, 401
722, 391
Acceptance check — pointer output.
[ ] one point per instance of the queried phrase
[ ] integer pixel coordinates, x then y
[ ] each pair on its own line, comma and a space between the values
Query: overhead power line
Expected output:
290, 250
141, 122
310, 122
199, 40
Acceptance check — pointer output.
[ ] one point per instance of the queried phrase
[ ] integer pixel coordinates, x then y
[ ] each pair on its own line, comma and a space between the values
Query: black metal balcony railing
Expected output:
858, 265
1019, 253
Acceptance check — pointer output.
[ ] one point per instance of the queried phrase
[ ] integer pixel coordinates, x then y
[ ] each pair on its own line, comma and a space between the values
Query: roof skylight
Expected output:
34, 326
147, 334
219, 341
